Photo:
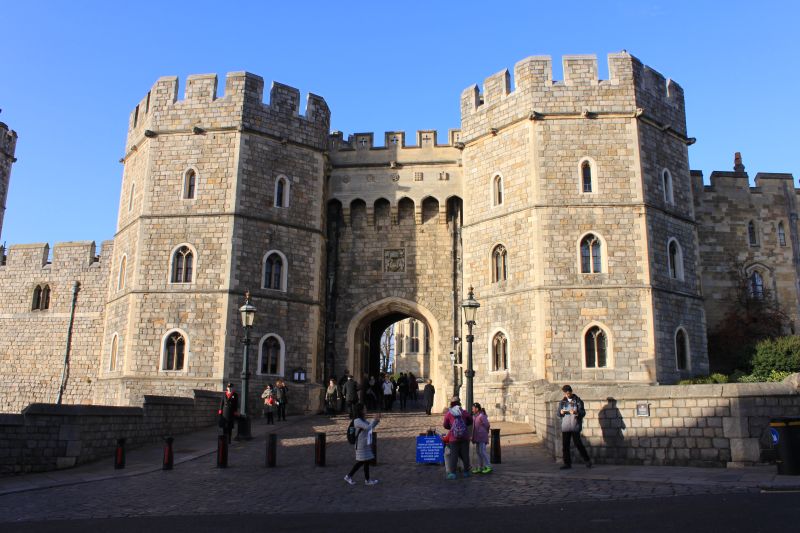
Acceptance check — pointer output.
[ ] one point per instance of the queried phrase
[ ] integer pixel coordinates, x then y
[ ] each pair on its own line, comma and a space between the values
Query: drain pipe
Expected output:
75, 287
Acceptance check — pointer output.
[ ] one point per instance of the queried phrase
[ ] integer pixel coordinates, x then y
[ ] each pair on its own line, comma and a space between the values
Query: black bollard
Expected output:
495, 457
319, 450
169, 459
222, 451
272, 448
119, 455
374, 461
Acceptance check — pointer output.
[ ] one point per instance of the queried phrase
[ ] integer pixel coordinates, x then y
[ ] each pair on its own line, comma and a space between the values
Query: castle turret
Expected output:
8, 143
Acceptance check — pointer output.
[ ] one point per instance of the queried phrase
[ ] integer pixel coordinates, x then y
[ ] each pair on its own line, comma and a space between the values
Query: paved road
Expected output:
298, 487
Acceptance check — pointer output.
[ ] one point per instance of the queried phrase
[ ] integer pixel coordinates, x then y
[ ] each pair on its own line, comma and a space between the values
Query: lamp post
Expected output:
248, 312
470, 307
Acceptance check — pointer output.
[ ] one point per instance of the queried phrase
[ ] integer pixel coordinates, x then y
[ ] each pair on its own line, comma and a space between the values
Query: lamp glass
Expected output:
248, 312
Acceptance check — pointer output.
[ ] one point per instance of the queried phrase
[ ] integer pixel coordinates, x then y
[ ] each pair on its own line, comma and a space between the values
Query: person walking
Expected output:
456, 421
269, 404
228, 410
402, 390
363, 446
571, 412
427, 396
480, 437
413, 388
342, 381
351, 396
331, 397
281, 399
388, 392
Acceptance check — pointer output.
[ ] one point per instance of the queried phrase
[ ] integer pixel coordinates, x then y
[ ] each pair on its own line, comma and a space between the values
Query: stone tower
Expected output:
575, 192
214, 188
8, 144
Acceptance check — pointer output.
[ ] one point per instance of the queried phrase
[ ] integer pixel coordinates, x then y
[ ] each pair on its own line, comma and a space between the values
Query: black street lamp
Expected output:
470, 307
248, 312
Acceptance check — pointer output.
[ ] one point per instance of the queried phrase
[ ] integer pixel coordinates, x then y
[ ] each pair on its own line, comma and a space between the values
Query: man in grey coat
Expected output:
571, 412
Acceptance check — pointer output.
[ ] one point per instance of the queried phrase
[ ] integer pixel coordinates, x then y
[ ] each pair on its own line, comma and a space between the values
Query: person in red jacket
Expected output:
457, 422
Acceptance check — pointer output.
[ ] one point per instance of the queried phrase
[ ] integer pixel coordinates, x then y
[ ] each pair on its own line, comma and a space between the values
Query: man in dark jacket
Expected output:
571, 412
351, 396
228, 411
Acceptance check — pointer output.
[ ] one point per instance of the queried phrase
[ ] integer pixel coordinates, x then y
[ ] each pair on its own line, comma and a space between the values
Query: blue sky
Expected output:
72, 72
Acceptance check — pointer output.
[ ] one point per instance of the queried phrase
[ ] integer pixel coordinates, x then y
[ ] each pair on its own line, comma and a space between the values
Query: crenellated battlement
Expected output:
392, 140
8, 140
241, 105
70, 255
534, 93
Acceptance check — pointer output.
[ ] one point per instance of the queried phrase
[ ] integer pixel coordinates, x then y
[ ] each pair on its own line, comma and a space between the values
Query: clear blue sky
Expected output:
72, 71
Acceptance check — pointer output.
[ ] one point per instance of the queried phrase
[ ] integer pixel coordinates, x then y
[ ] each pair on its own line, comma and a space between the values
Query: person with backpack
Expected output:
360, 433
456, 421
480, 437
571, 412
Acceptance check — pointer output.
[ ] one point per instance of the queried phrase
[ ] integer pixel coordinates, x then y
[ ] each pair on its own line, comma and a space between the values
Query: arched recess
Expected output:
430, 210
405, 212
360, 323
358, 213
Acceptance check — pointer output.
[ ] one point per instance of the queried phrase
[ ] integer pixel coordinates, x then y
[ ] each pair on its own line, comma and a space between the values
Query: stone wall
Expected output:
8, 144
49, 437
33, 342
723, 209
688, 425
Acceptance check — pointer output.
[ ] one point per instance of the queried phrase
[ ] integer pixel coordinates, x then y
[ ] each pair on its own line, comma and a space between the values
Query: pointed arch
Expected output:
666, 183
592, 253
497, 190
781, 234
752, 233
405, 211
499, 263
275, 271
587, 175
271, 355
174, 351
682, 349
499, 350
122, 274
675, 259
281, 193
189, 188
183, 264
596, 346
358, 213
113, 353
430, 210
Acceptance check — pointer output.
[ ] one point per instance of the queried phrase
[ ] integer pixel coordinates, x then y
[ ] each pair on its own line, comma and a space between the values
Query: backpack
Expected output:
459, 428
352, 432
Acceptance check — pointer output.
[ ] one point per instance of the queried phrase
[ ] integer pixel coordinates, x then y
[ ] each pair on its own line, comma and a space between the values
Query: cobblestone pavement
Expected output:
526, 476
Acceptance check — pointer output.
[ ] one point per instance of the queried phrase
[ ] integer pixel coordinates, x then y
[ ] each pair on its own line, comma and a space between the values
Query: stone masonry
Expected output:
336, 238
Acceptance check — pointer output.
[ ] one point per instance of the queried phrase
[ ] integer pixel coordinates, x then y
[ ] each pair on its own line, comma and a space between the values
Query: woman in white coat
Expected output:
363, 444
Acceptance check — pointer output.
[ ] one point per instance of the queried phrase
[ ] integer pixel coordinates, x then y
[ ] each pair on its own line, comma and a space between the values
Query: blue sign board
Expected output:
430, 449
774, 433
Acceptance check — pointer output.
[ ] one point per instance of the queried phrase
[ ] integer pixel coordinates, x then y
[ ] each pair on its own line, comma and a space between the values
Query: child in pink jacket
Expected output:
480, 436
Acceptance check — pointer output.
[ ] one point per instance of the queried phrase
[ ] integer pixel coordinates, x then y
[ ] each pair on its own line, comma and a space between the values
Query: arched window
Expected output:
274, 271
271, 352
45, 297
755, 285
41, 298
752, 235
781, 234
675, 259
497, 190
586, 176
123, 265
666, 179
189, 184
682, 349
591, 255
182, 265
281, 192
499, 352
413, 336
130, 198
499, 265
595, 346
112, 359
37, 298
174, 351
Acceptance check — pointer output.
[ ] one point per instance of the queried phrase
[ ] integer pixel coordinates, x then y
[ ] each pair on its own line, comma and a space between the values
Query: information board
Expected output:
430, 449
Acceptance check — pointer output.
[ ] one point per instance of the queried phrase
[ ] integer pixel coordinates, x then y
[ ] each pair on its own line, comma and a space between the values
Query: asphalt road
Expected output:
752, 513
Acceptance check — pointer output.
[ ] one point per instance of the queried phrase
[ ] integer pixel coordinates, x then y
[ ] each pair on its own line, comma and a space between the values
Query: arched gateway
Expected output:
365, 329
